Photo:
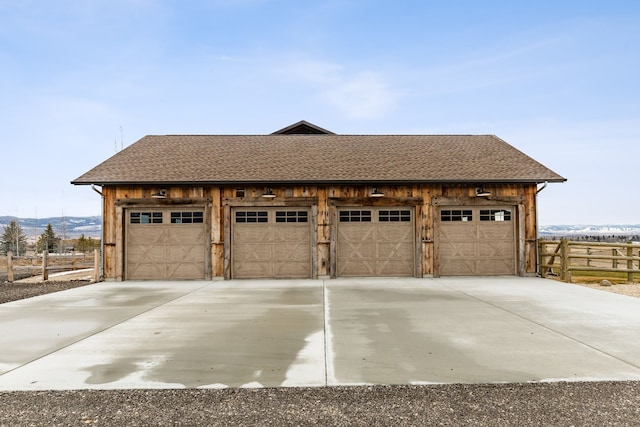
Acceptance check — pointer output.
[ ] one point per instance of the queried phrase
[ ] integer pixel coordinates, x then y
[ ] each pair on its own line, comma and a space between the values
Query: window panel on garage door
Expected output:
165, 244
271, 243
375, 242
476, 241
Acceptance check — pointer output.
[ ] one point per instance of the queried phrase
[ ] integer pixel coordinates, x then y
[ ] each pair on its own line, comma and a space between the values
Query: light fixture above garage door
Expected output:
160, 194
376, 193
268, 194
481, 192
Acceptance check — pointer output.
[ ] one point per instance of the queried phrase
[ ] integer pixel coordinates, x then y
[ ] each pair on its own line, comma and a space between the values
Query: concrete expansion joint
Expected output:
326, 329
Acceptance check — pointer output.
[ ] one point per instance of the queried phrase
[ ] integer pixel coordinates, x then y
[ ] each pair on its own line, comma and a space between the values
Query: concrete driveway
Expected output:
317, 332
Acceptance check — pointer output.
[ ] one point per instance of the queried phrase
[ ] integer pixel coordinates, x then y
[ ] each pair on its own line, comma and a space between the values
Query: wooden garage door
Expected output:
271, 243
165, 244
477, 241
375, 242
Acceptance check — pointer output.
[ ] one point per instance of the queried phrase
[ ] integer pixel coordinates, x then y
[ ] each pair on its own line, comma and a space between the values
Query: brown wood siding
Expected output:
109, 233
320, 197
531, 228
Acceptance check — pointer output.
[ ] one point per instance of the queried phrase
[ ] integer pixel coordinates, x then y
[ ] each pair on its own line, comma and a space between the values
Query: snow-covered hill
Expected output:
596, 230
69, 227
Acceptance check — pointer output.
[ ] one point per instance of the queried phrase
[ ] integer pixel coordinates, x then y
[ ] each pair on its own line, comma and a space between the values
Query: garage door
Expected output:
165, 244
375, 242
271, 243
477, 241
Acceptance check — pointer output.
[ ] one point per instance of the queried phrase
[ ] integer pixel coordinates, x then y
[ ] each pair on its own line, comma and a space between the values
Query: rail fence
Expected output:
45, 264
563, 258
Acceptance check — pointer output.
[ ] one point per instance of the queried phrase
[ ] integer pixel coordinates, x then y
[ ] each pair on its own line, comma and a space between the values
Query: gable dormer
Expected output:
303, 127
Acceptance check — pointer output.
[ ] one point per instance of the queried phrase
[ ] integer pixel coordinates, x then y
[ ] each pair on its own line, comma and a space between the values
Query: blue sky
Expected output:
556, 79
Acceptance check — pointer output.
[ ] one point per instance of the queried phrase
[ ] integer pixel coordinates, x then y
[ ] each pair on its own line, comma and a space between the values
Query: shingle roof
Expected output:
236, 159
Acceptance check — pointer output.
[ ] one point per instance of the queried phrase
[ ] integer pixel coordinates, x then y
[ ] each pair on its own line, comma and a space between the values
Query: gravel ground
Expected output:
16, 291
27, 286
549, 404
530, 404
632, 290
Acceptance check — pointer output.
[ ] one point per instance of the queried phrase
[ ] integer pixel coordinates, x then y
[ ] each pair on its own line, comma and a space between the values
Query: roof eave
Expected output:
320, 182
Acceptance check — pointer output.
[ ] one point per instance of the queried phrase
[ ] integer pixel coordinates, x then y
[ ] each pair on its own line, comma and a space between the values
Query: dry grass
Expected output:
594, 280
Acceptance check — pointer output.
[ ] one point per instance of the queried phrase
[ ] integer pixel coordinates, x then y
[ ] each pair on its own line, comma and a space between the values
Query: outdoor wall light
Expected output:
481, 192
376, 193
269, 194
160, 194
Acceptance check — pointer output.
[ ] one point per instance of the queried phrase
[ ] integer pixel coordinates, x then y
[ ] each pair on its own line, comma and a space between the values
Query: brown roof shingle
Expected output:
234, 159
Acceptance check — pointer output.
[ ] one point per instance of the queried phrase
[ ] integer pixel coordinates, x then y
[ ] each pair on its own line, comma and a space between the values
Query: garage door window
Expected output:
186, 218
292, 216
394, 216
355, 216
146, 218
252, 216
456, 215
495, 215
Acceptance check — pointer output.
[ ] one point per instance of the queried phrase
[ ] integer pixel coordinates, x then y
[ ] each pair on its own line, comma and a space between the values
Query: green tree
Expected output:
85, 244
48, 241
13, 239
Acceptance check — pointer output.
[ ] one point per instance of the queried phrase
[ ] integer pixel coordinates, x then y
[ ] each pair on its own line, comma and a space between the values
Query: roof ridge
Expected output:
325, 135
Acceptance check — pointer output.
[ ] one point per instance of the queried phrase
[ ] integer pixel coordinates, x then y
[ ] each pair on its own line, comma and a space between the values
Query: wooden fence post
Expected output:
630, 262
542, 259
614, 262
10, 267
565, 273
45, 272
96, 265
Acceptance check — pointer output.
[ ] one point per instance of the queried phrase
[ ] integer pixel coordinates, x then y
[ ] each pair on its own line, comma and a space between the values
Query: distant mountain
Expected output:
595, 230
70, 227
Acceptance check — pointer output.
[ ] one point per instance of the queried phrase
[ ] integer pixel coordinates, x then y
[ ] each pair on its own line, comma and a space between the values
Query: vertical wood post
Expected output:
614, 261
227, 242
588, 259
10, 267
45, 272
96, 265
565, 274
542, 259
629, 262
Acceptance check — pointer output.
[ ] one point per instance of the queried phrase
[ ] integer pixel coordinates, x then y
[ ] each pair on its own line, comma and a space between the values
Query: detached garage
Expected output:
304, 202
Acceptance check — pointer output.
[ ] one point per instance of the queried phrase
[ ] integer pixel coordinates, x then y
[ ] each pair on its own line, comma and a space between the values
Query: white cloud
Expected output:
360, 95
